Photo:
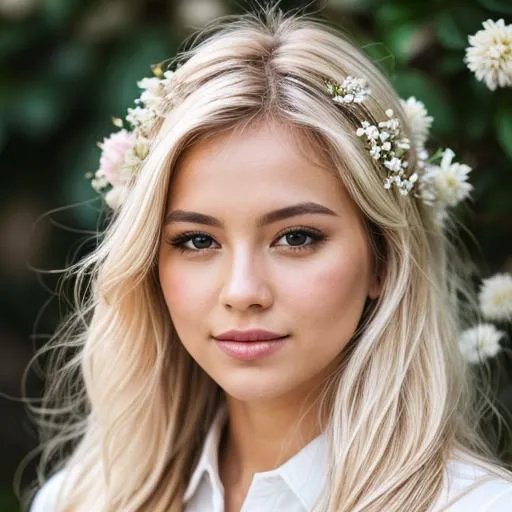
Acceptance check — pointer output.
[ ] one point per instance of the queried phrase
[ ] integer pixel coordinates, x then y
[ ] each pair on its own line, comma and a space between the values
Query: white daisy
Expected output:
449, 180
489, 55
419, 120
496, 297
480, 342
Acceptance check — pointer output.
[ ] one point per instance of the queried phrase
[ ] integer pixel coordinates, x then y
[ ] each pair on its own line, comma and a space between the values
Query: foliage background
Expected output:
67, 66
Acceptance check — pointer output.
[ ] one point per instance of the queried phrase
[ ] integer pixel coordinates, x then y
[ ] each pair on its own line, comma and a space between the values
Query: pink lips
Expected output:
249, 345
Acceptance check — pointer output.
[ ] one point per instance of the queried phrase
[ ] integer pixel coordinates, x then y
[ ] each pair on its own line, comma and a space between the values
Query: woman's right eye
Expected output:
192, 242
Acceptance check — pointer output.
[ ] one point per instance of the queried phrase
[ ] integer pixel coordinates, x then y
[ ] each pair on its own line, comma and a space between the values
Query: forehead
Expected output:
266, 164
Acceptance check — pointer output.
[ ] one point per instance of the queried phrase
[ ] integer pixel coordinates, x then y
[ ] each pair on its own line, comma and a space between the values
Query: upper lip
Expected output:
250, 335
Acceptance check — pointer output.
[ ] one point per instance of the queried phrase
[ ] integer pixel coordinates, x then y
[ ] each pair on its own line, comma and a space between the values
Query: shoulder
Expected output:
469, 487
46, 496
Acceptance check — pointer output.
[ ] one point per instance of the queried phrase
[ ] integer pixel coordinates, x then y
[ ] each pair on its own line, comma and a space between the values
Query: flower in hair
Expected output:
489, 55
386, 145
419, 121
480, 342
351, 90
495, 297
124, 151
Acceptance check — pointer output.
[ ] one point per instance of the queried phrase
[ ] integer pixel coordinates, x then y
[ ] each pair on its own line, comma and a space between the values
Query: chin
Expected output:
256, 384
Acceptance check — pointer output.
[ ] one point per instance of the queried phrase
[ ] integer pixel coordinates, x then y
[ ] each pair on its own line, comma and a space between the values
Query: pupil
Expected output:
296, 238
201, 242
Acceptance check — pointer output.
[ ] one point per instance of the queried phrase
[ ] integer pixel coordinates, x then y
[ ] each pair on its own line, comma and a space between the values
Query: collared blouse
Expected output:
298, 483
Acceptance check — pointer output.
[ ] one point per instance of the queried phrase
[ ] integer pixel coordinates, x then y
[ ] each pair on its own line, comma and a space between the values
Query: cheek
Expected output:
186, 294
330, 294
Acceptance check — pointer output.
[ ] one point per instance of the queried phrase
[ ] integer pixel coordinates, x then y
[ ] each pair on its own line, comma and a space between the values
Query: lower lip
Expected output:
250, 350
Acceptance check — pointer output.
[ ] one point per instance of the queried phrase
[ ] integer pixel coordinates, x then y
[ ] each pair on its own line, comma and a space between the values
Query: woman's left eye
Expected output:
295, 240
298, 238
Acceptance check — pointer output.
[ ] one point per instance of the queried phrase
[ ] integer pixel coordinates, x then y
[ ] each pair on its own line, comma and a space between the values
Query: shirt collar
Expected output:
304, 473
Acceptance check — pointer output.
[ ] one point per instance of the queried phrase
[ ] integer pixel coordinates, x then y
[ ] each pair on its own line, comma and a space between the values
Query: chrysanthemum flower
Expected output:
480, 342
449, 180
419, 120
489, 55
495, 297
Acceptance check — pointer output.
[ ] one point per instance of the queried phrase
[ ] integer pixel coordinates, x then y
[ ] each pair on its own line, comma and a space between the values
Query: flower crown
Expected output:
435, 180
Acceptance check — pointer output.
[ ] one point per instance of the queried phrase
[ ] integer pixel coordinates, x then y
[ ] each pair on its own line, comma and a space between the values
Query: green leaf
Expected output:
498, 6
503, 123
451, 63
38, 109
60, 12
404, 41
380, 54
449, 32
415, 83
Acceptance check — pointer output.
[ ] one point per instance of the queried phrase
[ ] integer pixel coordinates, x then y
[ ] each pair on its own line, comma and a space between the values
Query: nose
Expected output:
245, 284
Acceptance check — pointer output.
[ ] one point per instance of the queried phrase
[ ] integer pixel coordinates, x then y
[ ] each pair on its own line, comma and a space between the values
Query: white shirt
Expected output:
297, 483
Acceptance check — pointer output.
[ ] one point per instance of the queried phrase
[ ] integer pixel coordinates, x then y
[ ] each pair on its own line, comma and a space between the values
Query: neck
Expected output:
262, 436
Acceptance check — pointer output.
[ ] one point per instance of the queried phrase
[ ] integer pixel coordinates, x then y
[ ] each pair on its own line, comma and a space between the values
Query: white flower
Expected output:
116, 196
480, 342
142, 118
449, 180
419, 120
135, 155
352, 90
489, 55
496, 297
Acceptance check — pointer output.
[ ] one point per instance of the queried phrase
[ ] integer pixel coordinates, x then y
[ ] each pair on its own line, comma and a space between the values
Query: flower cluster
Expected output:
387, 145
351, 90
441, 184
124, 151
489, 55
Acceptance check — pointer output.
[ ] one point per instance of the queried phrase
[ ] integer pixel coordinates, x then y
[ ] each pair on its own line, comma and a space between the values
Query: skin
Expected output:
243, 275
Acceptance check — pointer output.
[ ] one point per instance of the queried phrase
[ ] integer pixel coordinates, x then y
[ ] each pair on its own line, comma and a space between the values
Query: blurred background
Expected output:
68, 66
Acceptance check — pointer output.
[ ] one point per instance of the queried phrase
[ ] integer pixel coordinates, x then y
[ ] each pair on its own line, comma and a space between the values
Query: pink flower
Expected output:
114, 150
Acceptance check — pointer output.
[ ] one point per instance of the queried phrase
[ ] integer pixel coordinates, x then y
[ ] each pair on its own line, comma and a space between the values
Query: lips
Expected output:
250, 335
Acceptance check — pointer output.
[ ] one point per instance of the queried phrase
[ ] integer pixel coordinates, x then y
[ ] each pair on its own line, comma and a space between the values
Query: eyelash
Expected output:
316, 236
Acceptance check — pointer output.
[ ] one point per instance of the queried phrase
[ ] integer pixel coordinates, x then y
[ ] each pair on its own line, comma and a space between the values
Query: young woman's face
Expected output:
257, 236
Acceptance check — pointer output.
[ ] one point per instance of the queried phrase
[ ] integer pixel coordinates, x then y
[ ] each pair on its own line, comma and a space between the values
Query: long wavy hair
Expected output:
127, 409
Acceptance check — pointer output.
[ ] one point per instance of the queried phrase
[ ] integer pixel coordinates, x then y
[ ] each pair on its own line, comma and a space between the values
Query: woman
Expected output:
271, 323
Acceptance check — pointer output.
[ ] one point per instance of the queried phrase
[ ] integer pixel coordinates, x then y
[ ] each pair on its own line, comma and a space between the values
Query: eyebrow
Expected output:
268, 218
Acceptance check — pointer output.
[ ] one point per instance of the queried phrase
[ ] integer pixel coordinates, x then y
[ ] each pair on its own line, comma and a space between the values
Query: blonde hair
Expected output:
135, 407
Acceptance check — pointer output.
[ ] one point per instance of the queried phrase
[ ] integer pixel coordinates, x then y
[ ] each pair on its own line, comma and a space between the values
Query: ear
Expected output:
375, 286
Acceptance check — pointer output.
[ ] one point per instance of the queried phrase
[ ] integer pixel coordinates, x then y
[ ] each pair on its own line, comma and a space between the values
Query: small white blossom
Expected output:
489, 55
449, 180
395, 164
419, 121
480, 342
142, 118
352, 90
495, 297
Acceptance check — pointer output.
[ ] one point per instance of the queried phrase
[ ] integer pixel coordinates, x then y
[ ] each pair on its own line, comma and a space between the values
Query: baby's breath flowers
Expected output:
351, 90
495, 297
480, 342
387, 145
436, 179
489, 55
